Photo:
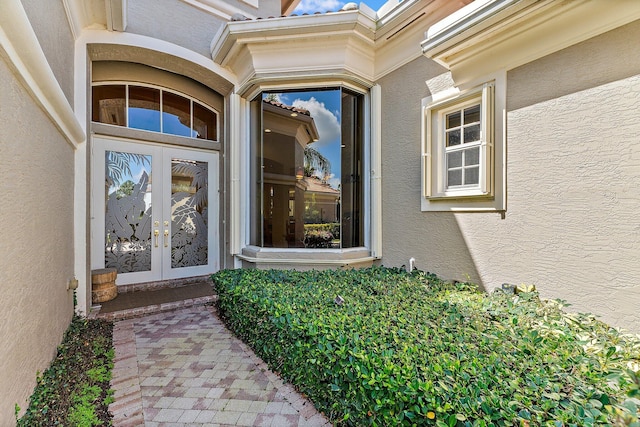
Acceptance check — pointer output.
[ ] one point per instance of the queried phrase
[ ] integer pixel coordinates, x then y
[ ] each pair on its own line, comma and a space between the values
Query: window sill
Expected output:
306, 258
464, 204
467, 195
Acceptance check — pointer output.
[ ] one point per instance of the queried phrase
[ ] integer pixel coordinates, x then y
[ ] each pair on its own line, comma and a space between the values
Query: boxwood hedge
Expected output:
380, 346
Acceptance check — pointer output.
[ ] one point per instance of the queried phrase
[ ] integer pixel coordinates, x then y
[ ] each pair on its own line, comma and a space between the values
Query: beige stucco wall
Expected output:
36, 243
573, 169
183, 24
434, 239
49, 22
573, 172
174, 21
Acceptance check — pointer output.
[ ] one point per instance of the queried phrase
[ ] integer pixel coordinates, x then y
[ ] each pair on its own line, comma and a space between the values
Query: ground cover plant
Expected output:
381, 346
75, 390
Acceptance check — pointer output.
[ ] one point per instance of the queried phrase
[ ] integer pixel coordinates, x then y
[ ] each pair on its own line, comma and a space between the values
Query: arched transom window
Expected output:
153, 109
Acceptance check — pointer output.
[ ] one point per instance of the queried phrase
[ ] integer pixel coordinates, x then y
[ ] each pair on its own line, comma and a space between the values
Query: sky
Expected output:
311, 6
324, 106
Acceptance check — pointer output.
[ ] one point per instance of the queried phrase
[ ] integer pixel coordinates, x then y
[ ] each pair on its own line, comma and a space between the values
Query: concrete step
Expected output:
150, 299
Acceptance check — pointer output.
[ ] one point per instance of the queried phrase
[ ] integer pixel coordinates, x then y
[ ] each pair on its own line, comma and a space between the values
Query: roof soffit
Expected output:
503, 34
402, 29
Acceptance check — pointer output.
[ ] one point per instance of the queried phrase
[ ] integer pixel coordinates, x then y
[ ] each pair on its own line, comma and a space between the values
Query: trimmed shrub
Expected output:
380, 346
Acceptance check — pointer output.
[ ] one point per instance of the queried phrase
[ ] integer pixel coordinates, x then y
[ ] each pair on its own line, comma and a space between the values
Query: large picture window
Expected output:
308, 163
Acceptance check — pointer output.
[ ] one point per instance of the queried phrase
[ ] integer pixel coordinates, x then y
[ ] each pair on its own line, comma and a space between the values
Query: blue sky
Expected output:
311, 6
324, 106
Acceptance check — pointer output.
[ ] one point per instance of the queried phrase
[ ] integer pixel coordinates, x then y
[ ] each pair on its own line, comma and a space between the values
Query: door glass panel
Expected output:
128, 211
144, 108
189, 203
176, 114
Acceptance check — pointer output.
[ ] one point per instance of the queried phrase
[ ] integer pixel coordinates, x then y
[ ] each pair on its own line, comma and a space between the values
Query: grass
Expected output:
383, 347
75, 390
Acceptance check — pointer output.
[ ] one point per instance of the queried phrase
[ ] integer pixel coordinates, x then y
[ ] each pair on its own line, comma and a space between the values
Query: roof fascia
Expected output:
490, 35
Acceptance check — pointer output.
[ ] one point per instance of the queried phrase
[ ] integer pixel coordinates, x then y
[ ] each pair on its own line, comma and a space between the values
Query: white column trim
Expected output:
19, 44
376, 171
235, 197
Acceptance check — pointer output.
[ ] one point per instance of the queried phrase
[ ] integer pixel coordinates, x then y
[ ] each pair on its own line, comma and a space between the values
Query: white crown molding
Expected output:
490, 35
19, 44
302, 48
352, 45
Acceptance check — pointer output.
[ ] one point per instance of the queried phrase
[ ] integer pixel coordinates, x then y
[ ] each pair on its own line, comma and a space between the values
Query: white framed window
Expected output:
152, 108
463, 150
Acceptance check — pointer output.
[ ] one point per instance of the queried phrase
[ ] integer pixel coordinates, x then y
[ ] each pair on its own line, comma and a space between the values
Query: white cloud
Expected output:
334, 182
311, 6
326, 122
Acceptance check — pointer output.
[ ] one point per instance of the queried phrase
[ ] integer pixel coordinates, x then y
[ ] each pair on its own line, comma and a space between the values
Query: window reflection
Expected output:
205, 123
144, 108
176, 114
153, 109
109, 103
309, 157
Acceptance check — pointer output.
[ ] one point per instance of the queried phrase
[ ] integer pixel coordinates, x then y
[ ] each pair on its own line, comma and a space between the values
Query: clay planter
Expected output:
103, 283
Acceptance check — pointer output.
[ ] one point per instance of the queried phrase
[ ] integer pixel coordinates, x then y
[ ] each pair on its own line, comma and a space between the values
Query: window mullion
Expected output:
126, 104
161, 112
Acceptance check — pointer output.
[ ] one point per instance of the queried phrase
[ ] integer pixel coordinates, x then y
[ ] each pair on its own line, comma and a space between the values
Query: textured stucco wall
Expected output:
36, 243
174, 21
433, 239
573, 170
572, 225
49, 22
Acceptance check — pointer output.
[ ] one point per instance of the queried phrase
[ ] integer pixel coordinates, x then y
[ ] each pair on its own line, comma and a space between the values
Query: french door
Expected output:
154, 210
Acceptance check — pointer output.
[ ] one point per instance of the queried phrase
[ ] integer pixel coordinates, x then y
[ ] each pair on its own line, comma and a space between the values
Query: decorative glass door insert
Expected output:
152, 214
189, 203
128, 211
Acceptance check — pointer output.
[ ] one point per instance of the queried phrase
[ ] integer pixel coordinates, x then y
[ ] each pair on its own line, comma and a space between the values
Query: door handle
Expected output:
156, 233
166, 238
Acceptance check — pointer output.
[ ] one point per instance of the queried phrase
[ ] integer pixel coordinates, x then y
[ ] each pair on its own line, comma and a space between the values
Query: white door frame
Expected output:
161, 170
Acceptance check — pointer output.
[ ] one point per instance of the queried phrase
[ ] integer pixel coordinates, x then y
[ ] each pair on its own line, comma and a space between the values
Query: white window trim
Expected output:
372, 197
490, 194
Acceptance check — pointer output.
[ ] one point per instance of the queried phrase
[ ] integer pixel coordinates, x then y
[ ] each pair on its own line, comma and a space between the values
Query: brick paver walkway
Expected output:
184, 368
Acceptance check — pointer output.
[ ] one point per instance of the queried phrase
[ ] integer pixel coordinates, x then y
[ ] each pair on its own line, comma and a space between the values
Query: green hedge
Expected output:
331, 227
410, 349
